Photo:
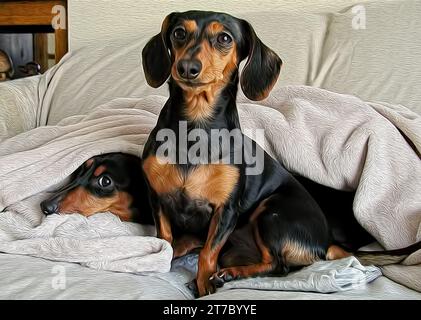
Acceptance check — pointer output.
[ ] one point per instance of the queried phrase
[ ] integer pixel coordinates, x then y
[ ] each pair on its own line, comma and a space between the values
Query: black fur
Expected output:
126, 173
155, 57
262, 64
290, 215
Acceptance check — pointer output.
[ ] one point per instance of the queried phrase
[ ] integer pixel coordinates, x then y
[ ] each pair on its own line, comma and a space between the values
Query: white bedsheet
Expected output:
23, 277
32, 278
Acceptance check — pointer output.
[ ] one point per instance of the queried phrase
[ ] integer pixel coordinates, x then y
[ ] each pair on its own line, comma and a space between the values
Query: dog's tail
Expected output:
383, 258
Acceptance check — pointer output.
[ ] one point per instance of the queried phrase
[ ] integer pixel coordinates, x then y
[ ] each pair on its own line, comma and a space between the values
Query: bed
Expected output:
323, 50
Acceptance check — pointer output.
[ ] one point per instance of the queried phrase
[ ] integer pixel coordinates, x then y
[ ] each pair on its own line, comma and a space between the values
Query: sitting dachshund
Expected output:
199, 52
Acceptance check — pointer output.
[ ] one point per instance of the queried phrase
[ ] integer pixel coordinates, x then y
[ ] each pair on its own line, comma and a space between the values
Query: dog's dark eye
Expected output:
179, 34
105, 182
224, 38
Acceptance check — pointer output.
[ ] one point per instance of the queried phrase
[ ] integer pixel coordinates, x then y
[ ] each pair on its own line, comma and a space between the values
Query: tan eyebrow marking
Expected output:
98, 171
190, 25
215, 28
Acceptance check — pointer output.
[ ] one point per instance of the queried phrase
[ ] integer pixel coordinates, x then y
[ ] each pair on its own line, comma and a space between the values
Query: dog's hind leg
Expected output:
283, 240
267, 264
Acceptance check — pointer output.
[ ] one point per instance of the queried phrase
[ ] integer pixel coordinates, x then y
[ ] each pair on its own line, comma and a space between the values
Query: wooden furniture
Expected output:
35, 17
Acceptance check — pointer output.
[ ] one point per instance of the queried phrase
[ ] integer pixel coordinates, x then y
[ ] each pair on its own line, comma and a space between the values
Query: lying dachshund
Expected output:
111, 182
115, 182
200, 53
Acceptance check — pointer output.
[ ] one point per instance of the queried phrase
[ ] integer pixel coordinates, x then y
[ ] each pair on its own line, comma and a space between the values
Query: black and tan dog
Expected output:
200, 52
112, 182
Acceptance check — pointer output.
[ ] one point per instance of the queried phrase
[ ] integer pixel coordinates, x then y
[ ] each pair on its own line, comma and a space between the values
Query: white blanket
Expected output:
322, 276
336, 140
41, 158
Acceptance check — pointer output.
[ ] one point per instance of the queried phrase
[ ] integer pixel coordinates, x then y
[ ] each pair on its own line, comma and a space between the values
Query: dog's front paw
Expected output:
205, 286
219, 278
194, 288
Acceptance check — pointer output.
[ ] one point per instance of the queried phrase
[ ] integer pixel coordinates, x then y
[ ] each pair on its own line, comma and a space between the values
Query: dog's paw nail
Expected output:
217, 280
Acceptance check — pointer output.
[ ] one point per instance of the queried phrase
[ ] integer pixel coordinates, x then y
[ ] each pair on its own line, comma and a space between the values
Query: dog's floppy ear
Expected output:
156, 58
262, 68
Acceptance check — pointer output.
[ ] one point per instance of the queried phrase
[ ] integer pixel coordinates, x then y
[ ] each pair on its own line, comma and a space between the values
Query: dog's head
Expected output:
203, 49
111, 182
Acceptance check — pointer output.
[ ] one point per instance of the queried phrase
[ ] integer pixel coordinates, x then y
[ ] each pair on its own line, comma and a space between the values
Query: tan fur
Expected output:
163, 177
206, 268
199, 103
265, 265
296, 255
190, 25
266, 255
99, 170
215, 27
180, 52
185, 244
212, 182
164, 227
334, 252
217, 68
208, 256
81, 201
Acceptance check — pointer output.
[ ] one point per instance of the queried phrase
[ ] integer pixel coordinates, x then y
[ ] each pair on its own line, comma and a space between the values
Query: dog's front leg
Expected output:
221, 226
163, 226
162, 222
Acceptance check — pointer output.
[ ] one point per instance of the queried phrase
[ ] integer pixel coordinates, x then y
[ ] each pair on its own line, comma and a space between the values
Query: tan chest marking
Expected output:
213, 182
162, 177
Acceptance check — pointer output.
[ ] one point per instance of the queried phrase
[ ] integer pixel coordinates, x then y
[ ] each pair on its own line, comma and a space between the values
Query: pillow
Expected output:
296, 37
93, 75
381, 62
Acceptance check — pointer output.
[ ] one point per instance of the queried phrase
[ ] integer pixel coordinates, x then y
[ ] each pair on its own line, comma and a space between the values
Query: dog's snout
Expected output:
49, 207
189, 69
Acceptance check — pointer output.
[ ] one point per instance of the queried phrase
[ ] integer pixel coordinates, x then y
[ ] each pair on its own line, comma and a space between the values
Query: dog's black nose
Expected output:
49, 207
189, 69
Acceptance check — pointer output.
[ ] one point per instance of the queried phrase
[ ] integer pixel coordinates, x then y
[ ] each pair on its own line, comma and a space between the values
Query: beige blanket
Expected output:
334, 139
